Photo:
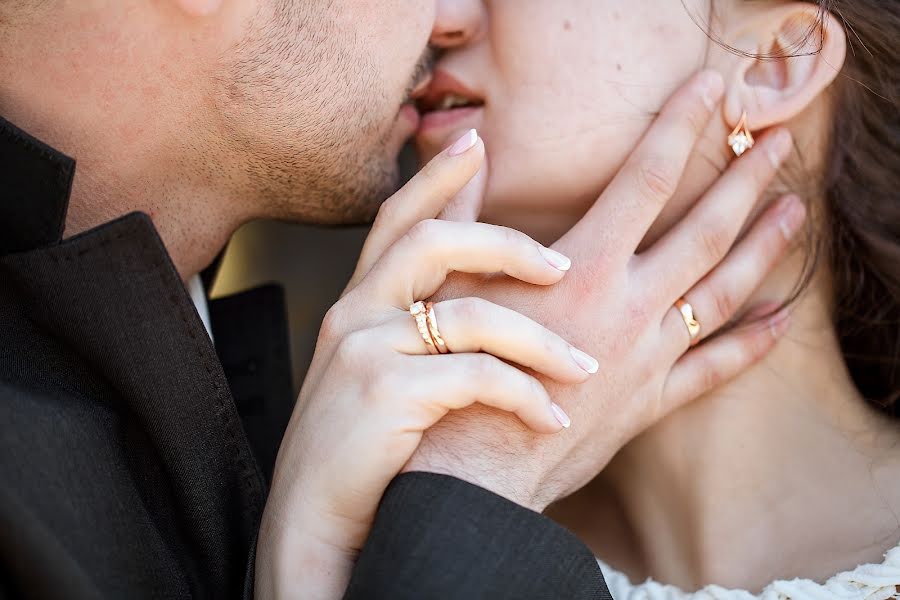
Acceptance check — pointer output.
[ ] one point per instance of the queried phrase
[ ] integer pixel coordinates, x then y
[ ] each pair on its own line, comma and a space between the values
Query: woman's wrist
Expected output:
303, 558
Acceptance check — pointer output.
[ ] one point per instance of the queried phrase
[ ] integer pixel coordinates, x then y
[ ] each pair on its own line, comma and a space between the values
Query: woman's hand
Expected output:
617, 302
373, 388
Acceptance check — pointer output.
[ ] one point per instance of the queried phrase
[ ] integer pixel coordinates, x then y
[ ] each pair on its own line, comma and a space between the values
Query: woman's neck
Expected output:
785, 472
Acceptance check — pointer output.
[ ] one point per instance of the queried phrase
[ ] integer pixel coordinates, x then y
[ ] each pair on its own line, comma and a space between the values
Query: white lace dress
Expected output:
867, 582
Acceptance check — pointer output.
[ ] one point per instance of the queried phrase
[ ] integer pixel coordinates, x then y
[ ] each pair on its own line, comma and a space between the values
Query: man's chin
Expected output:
345, 204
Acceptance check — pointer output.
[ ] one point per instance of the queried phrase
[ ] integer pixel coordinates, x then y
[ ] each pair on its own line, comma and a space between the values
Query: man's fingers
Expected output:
475, 325
705, 235
718, 297
633, 200
416, 266
720, 360
423, 197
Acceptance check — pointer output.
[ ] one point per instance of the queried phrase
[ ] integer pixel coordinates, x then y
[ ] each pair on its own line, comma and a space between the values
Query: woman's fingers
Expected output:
438, 384
651, 174
423, 197
416, 266
720, 360
720, 294
467, 204
470, 325
708, 231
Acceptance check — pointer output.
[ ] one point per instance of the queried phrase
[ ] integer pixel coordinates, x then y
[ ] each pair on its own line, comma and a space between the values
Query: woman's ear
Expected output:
199, 8
796, 51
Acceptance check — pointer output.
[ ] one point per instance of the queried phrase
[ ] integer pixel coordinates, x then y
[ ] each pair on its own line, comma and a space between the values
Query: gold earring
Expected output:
741, 139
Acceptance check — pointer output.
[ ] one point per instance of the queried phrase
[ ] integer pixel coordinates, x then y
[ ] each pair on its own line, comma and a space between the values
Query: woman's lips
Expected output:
435, 126
439, 120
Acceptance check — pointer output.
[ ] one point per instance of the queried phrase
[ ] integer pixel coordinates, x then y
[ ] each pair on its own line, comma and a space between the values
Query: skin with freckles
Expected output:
569, 88
785, 472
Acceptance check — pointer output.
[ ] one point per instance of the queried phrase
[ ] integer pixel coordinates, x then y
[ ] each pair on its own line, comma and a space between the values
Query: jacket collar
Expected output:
112, 297
37, 181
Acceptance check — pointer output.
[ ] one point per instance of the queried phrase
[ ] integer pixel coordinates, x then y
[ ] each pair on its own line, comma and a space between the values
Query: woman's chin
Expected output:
439, 129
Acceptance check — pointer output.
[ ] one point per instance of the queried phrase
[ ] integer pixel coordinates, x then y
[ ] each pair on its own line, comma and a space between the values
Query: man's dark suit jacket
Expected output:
135, 454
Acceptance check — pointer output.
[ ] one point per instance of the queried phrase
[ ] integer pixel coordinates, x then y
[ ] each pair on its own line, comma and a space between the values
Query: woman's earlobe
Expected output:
741, 138
801, 50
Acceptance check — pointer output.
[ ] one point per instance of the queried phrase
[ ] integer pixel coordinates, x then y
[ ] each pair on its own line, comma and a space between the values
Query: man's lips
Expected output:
444, 86
410, 113
408, 110
421, 88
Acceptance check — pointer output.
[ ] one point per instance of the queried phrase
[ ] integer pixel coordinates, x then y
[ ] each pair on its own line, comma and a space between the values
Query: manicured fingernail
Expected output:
793, 213
585, 361
712, 87
560, 415
780, 147
463, 144
557, 260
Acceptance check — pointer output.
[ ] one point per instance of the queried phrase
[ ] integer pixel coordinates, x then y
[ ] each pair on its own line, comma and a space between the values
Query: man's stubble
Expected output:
308, 119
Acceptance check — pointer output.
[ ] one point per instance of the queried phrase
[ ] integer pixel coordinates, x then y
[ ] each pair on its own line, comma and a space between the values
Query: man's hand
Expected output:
618, 305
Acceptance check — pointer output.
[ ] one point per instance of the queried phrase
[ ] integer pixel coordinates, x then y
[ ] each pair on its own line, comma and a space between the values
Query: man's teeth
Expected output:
452, 101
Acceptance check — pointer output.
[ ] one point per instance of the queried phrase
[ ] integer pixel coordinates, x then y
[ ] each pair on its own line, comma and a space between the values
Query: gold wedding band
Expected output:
419, 313
439, 342
693, 325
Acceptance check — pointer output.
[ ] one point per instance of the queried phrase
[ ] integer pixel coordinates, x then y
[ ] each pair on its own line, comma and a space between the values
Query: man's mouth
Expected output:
420, 89
446, 93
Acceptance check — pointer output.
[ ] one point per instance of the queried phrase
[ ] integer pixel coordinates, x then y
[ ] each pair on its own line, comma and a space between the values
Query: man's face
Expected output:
310, 102
227, 109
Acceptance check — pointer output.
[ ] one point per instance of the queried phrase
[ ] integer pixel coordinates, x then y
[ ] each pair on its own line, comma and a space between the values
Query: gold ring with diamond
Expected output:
419, 313
439, 342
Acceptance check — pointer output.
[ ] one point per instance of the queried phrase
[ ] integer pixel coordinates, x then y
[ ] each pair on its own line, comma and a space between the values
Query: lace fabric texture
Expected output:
866, 582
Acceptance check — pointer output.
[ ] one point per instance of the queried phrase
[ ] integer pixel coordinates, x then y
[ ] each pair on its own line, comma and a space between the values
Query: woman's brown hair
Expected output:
861, 186
862, 196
